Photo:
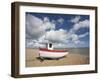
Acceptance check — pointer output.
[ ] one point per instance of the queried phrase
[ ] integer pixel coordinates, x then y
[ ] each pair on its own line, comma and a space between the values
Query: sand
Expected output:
32, 59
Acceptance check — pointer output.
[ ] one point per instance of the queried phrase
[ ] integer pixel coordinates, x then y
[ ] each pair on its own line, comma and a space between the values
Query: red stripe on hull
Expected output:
45, 49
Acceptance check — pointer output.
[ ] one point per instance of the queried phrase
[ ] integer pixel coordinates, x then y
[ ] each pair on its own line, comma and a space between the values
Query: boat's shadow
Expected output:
41, 59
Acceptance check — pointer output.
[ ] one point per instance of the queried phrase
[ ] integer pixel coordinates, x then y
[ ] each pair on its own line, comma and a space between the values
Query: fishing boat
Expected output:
50, 52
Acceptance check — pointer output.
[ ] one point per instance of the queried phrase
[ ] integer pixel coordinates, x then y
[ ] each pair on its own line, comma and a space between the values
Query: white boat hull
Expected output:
47, 54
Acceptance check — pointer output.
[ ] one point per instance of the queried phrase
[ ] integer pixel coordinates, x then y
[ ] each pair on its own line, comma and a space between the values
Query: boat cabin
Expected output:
49, 46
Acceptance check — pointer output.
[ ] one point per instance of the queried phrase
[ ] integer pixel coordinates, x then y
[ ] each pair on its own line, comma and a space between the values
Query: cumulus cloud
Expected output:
56, 35
39, 31
60, 45
83, 35
47, 24
76, 19
30, 43
36, 30
36, 27
60, 20
46, 19
76, 37
81, 24
33, 27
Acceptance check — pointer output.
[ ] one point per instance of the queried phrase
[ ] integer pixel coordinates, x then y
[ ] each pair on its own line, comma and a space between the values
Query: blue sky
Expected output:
66, 30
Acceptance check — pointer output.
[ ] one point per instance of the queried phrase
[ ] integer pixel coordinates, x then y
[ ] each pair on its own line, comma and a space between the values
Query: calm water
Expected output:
82, 51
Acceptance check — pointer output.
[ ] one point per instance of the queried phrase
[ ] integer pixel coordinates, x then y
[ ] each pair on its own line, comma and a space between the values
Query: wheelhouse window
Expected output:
50, 45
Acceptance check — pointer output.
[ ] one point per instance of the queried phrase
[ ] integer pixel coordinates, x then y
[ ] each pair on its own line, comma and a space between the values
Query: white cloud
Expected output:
30, 43
40, 31
76, 19
77, 43
36, 27
81, 24
60, 20
48, 25
56, 35
74, 37
83, 35
33, 27
46, 19
60, 45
